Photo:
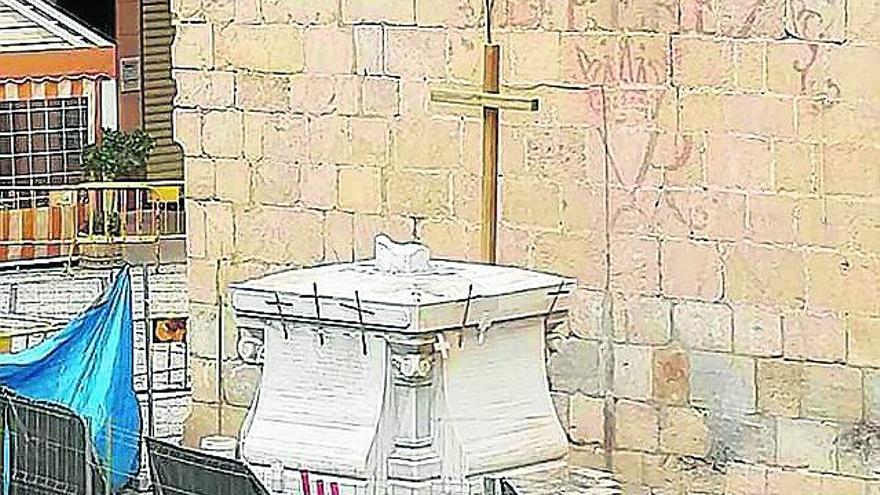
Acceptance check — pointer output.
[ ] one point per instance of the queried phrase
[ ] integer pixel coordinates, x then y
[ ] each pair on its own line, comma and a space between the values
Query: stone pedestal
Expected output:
399, 375
413, 461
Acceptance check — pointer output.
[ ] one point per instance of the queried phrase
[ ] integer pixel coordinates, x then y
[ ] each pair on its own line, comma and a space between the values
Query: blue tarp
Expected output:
88, 368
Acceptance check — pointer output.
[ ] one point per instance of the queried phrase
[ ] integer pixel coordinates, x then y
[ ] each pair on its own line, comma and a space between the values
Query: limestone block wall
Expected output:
708, 169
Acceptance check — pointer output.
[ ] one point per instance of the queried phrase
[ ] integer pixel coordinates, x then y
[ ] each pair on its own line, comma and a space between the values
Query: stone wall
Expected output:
708, 169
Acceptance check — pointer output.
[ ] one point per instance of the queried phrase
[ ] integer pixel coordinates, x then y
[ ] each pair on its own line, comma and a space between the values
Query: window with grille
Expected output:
41, 143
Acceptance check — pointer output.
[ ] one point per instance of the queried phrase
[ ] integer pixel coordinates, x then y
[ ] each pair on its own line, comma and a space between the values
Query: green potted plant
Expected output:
117, 153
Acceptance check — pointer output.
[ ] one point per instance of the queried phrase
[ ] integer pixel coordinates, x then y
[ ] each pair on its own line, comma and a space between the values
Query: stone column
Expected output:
413, 463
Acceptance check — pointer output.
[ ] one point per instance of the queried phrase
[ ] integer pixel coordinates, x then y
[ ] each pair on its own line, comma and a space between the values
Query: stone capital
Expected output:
412, 367
250, 346
412, 360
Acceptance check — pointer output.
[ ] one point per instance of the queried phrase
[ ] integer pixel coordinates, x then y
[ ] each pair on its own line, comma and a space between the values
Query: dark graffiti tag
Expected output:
803, 68
824, 92
816, 20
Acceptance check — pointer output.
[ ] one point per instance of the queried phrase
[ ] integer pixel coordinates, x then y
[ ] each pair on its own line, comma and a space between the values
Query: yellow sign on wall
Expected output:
166, 194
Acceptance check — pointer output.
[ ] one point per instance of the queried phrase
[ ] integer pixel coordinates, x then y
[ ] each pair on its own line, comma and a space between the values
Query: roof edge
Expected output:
60, 22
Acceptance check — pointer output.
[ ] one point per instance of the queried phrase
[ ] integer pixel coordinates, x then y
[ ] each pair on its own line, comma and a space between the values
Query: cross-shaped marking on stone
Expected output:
442, 346
491, 101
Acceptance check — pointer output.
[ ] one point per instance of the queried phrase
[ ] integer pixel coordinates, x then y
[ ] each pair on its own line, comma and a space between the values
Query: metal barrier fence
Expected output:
38, 222
46, 450
181, 471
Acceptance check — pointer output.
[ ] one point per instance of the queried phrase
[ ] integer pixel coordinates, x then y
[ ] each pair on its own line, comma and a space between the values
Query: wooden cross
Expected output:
491, 101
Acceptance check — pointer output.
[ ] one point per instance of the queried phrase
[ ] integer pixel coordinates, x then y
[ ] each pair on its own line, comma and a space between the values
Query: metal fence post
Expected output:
148, 350
7, 461
89, 475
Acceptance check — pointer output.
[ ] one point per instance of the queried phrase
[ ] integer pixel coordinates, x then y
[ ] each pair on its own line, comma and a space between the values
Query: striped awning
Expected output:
42, 230
42, 88
100, 116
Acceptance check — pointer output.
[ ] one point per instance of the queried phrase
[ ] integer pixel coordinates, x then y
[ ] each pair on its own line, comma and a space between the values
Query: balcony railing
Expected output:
40, 222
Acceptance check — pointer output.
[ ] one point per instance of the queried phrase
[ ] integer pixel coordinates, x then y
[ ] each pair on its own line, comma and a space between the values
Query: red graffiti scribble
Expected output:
623, 106
703, 7
665, 202
748, 23
625, 65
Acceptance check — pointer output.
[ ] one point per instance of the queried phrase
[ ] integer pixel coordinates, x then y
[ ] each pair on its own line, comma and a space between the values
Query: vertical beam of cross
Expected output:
489, 4
492, 85
489, 213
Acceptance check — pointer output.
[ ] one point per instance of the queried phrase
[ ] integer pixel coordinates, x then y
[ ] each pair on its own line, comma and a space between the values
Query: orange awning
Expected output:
58, 63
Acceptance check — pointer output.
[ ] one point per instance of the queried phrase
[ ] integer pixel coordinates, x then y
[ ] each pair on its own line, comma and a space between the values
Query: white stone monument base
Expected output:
401, 375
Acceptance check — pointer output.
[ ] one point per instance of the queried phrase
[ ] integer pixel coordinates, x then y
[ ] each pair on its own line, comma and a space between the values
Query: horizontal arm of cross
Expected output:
482, 99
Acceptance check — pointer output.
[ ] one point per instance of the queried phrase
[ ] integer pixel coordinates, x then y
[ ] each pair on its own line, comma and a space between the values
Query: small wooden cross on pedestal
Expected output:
491, 101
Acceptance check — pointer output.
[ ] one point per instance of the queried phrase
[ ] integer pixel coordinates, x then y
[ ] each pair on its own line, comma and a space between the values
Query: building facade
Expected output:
57, 93
708, 170
146, 94
142, 33
63, 85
